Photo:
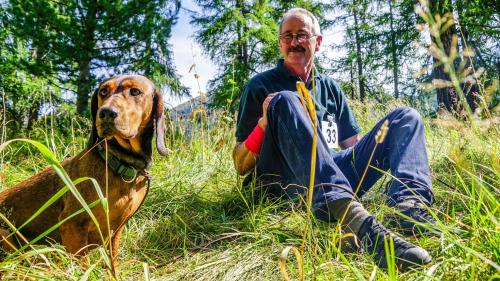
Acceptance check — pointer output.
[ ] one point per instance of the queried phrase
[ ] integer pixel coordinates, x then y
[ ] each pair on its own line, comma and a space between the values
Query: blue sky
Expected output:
186, 52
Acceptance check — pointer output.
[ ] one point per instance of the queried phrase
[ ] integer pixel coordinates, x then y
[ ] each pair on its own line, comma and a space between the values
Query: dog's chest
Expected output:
125, 201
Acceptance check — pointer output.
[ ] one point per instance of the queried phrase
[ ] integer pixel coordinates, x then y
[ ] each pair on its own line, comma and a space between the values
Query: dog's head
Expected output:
128, 109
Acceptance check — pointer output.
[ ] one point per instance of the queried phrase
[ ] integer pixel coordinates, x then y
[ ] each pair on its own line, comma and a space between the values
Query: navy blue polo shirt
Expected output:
328, 96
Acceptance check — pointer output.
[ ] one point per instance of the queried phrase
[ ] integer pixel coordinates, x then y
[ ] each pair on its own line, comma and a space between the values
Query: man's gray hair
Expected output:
315, 28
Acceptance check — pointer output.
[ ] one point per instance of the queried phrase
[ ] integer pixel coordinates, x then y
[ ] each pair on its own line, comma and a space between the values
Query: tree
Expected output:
241, 39
21, 94
77, 41
380, 39
399, 36
358, 12
458, 93
478, 25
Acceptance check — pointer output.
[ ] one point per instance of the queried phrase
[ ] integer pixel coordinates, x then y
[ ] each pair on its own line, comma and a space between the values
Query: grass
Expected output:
197, 223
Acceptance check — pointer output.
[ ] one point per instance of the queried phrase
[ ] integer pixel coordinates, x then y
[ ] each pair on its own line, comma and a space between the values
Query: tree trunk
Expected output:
353, 84
394, 56
33, 115
84, 76
83, 89
242, 46
359, 61
471, 91
447, 97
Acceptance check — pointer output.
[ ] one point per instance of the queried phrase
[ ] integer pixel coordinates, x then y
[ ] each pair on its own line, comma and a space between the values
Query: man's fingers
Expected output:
268, 100
265, 104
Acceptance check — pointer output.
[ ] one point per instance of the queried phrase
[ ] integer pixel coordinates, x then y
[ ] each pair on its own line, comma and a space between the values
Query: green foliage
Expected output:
238, 36
197, 222
77, 42
384, 50
22, 94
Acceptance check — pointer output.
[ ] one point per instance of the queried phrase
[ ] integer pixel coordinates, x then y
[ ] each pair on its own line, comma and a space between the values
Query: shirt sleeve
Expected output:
249, 111
346, 121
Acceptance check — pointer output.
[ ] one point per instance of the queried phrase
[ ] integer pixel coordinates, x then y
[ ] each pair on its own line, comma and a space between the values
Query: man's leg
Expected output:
286, 151
404, 153
285, 156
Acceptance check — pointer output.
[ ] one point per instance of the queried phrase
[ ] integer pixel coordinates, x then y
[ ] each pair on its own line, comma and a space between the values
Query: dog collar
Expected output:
127, 172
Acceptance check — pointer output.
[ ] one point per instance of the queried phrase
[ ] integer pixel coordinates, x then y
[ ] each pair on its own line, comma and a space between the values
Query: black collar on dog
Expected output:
127, 172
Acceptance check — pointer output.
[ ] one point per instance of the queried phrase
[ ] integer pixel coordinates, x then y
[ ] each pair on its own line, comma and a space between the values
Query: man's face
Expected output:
300, 50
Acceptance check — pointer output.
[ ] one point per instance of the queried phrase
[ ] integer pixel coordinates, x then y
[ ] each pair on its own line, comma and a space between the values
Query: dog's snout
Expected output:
108, 113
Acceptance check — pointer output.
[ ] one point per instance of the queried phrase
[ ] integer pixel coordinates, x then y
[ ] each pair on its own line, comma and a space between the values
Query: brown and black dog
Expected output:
126, 111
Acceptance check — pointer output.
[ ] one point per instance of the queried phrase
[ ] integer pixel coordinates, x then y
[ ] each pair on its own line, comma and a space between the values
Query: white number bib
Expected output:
330, 133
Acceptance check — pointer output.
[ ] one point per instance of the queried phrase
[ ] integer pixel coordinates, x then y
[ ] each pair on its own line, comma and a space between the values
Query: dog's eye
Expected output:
103, 92
135, 92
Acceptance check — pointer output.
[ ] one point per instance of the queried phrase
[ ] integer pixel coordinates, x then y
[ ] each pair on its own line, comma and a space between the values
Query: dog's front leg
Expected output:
7, 244
75, 235
115, 247
116, 241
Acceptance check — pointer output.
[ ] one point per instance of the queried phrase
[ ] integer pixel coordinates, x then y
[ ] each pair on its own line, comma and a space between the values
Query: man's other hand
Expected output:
263, 120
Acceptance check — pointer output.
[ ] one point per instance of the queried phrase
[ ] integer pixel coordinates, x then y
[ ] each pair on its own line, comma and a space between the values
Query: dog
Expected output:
127, 110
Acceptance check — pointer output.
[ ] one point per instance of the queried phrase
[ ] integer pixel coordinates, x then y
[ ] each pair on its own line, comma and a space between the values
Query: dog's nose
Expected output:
108, 113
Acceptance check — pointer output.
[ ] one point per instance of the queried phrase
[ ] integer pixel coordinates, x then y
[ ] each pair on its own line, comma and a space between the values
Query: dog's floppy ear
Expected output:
159, 118
93, 109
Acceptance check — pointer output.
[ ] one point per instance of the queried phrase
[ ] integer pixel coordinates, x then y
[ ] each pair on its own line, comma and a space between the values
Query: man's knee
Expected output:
283, 97
284, 101
407, 115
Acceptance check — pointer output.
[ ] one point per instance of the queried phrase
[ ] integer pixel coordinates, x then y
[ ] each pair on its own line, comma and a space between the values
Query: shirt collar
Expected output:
281, 67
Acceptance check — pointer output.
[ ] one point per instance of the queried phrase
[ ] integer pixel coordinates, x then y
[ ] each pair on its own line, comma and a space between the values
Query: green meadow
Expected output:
199, 223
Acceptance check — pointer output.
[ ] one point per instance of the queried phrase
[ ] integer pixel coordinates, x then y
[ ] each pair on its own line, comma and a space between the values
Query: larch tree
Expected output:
78, 41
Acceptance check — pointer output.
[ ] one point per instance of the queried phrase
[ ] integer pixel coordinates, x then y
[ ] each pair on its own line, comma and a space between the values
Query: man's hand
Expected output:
349, 142
263, 120
244, 159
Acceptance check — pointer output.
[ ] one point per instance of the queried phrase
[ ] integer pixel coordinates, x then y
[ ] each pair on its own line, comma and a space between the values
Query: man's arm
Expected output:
244, 159
349, 142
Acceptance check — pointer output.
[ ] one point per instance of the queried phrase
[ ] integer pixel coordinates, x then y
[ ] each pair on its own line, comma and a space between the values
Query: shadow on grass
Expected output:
173, 224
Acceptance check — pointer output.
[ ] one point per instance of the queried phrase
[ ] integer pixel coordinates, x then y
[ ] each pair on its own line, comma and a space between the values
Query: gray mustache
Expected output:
296, 49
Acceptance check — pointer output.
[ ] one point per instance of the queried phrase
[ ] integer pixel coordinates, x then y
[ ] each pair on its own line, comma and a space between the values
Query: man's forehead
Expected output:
297, 22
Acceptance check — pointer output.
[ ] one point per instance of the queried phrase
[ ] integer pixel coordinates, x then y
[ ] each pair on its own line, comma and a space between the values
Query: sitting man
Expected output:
274, 138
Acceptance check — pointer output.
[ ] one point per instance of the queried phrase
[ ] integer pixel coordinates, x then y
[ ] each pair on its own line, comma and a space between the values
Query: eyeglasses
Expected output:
301, 37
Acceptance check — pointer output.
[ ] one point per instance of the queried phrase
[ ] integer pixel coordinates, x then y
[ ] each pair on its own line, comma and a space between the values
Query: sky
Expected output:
187, 52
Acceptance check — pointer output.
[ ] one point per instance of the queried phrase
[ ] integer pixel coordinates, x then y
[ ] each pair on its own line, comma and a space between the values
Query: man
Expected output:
274, 138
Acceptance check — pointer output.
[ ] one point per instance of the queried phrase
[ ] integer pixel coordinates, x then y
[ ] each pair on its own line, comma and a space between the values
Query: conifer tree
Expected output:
77, 41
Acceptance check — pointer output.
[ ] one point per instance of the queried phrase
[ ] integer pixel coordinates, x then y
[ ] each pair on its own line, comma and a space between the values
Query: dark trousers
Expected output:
283, 168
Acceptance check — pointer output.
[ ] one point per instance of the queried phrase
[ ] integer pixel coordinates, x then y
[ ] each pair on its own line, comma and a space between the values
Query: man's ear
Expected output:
319, 40
93, 109
159, 118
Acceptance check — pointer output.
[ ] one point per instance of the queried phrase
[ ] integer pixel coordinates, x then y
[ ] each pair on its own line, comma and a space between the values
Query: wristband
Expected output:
255, 139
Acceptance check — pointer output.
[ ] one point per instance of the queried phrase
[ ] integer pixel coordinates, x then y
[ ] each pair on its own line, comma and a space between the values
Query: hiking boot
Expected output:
412, 218
372, 235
